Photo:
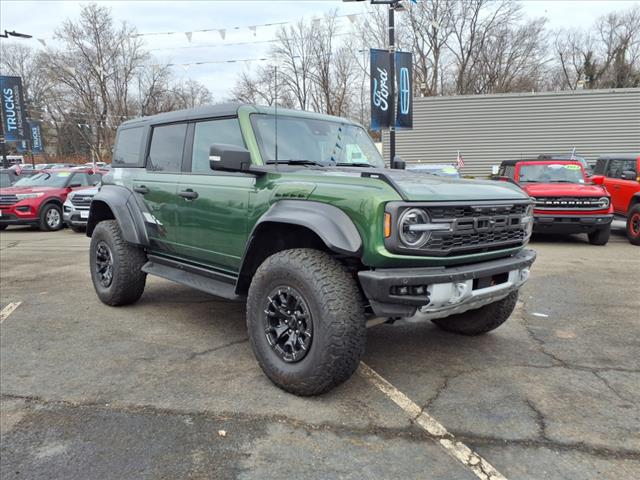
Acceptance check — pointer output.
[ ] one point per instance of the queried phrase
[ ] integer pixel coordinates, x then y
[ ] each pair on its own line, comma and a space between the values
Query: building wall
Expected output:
490, 128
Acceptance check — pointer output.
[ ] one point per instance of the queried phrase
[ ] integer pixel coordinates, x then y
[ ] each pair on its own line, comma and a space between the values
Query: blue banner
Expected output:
381, 78
14, 114
404, 82
37, 145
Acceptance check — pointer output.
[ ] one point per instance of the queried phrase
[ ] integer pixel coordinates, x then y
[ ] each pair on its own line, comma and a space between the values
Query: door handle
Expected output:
188, 194
141, 189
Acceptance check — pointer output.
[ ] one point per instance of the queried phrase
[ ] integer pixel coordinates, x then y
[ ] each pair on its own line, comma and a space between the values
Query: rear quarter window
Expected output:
129, 149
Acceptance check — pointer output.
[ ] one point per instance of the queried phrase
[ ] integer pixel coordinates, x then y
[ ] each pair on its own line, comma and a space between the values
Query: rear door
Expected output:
213, 206
156, 185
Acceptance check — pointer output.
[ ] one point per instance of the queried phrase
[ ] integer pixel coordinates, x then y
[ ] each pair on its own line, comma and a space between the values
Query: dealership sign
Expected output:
381, 101
13, 111
36, 137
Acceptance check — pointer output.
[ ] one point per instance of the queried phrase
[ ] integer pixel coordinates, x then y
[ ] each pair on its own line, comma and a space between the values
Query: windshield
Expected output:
5, 180
551, 172
318, 141
45, 179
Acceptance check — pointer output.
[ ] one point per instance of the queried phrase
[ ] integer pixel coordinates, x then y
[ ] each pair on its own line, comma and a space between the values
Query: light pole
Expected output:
5, 162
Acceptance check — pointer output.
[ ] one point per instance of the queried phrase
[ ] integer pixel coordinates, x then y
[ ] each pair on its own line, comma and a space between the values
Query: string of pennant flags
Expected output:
223, 31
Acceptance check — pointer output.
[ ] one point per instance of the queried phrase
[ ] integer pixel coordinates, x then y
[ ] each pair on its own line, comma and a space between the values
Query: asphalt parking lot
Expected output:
169, 388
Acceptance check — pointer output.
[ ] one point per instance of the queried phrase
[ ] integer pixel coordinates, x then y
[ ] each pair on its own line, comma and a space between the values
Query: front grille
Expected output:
569, 203
465, 229
8, 199
81, 200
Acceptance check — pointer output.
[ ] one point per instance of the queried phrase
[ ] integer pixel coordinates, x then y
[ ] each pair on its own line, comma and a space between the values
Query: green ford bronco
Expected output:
295, 214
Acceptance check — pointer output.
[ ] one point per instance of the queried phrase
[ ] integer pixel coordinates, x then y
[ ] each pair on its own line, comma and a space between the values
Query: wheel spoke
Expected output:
288, 324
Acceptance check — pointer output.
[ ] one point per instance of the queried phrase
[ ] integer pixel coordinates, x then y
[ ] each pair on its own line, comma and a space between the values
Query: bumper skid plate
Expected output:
437, 292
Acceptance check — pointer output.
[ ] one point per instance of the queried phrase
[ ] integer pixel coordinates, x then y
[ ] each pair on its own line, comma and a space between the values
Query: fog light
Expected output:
524, 274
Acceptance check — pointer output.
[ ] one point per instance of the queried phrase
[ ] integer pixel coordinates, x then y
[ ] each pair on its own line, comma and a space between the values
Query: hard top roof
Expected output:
620, 156
541, 160
222, 110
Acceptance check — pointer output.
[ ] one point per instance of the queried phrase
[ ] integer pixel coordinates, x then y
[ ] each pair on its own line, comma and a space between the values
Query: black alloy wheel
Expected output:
288, 324
104, 264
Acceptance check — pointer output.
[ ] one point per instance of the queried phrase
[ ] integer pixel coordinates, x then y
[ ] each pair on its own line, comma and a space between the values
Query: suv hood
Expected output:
564, 189
421, 186
88, 191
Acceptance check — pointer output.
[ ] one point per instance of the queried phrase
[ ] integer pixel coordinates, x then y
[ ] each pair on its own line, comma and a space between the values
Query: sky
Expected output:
41, 18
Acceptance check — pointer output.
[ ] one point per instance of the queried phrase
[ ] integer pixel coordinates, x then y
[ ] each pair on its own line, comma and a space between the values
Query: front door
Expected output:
621, 189
214, 206
156, 186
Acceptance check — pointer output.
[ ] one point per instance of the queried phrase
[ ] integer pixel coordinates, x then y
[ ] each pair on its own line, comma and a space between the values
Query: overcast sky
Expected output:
40, 19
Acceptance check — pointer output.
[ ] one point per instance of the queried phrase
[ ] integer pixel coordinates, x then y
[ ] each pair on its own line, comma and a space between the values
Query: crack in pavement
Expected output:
610, 387
215, 349
409, 432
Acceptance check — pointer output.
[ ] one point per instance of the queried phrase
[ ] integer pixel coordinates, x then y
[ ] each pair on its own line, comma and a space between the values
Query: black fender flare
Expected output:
124, 209
332, 225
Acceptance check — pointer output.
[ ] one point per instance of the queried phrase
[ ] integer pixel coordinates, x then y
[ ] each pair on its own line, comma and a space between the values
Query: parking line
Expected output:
470, 459
6, 311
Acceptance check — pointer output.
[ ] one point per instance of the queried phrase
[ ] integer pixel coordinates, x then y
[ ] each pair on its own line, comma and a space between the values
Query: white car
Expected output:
75, 211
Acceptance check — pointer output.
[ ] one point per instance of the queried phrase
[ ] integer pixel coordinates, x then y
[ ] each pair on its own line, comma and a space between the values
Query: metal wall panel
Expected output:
490, 128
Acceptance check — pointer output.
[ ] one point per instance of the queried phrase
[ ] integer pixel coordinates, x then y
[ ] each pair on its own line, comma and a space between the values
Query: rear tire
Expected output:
633, 225
116, 266
481, 320
600, 236
51, 218
305, 297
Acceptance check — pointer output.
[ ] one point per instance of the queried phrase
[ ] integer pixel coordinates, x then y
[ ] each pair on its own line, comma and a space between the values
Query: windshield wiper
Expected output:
354, 164
295, 162
561, 181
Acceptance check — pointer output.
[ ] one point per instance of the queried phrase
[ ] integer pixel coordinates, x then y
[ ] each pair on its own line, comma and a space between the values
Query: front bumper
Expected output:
11, 218
554, 223
440, 291
75, 217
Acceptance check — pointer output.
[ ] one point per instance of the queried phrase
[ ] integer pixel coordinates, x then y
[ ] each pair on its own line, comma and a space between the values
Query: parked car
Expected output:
620, 174
565, 200
37, 200
314, 235
7, 177
75, 210
439, 169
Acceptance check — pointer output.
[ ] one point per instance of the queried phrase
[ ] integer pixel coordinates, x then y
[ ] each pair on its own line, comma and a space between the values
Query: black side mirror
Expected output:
628, 175
75, 185
230, 158
398, 164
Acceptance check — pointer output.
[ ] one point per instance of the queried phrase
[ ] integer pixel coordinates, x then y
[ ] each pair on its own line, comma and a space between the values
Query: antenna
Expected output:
276, 111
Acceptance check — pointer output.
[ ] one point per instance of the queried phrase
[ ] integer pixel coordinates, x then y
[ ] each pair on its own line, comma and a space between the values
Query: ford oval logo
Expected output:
404, 94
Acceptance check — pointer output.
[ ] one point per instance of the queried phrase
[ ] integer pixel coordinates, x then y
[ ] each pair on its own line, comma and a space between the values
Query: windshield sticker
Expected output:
449, 170
555, 165
572, 167
63, 174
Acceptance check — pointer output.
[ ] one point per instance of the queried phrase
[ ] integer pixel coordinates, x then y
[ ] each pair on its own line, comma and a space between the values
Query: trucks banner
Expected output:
14, 114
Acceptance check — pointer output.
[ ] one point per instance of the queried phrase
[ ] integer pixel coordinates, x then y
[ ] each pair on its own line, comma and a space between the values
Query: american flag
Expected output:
459, 161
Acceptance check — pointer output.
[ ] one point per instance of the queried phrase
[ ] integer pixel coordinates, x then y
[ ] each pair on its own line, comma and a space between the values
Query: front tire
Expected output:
116, 266
306, 323
600, 236
481, 320
51, 218
633, 225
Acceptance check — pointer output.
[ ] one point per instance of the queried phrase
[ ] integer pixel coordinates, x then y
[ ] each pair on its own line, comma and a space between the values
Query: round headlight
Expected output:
603, 202
408, 227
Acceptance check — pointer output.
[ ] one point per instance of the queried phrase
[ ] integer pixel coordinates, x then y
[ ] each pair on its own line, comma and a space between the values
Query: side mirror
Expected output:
628, 175
229, 158
398, 164
75, 185
597, 180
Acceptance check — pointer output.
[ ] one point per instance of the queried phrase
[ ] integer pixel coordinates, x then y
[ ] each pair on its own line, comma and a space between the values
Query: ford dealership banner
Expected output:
36, 137
14, 115
404, 86
381, 78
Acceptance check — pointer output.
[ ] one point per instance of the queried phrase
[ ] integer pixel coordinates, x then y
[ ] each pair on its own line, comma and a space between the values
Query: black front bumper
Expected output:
11, 219
379, 285
549, 223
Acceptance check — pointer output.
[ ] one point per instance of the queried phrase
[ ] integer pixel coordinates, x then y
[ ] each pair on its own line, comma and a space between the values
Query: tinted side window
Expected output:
167, 144
95, 178
600, 166
215, 131
615, 169
510, 171
630, 165
128, 148
81, 178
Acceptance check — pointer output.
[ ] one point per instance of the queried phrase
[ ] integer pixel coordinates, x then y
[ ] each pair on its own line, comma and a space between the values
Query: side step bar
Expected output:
207, 281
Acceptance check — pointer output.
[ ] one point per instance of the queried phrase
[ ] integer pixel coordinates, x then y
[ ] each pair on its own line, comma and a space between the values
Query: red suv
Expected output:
620, 174
37, 200
565, 200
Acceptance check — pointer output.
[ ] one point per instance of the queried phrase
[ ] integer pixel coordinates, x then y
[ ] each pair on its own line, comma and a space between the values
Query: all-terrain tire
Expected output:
127, 278
337, 313
2, 227
51, 218
633, 225
481, 320
600, 236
